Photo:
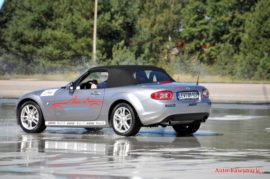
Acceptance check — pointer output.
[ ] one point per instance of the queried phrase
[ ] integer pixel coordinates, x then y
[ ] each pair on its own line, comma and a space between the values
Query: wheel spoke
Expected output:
24, 112
118, 120
119, 126
24, 117
30, 124
117, 115
27, 109
128, 116
126, 125
34, 111
35, 120
123, 111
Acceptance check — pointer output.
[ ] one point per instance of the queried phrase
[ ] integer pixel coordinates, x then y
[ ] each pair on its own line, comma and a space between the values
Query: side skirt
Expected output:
75, 123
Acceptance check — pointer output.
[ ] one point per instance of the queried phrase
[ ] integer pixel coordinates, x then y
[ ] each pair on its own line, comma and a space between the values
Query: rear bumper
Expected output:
185, 118
168, 114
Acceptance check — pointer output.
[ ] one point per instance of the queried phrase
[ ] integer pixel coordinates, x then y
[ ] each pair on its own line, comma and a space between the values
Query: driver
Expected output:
94, 84
102, 84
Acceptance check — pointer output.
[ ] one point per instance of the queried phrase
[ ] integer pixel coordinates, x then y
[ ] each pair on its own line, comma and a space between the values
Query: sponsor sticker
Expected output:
75, 101
170, 105
49, 92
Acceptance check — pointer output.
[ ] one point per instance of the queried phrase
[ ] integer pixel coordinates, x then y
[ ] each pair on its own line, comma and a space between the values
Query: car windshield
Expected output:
150, 76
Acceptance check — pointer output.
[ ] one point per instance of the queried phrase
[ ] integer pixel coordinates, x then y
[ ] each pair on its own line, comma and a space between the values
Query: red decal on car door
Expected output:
73, 101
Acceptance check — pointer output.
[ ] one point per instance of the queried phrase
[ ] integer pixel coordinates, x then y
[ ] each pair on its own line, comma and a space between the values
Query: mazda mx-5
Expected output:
125, 98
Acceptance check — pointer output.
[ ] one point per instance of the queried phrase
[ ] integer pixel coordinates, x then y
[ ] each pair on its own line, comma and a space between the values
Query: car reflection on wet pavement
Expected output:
234, 137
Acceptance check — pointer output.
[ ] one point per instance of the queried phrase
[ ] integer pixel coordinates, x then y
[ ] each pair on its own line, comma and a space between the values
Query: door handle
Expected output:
95, 93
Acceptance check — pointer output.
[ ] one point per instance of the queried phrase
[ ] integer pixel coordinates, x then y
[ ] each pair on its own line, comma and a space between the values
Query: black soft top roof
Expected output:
127, 67
122, 75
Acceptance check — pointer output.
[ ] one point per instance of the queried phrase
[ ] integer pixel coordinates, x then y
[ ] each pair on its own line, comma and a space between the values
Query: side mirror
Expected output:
71, 87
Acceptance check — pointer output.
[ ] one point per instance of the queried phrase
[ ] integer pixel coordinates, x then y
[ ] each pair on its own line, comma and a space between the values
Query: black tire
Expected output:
187, 129
133, 122
93, 129
39, 124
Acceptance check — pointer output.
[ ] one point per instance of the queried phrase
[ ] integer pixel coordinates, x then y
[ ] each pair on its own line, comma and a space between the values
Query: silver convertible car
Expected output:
125, 98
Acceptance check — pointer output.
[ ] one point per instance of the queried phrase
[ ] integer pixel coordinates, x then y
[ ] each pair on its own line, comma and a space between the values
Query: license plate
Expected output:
188, 95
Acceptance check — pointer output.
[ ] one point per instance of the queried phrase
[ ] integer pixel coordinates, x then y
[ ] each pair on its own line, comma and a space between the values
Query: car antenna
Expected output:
198, 77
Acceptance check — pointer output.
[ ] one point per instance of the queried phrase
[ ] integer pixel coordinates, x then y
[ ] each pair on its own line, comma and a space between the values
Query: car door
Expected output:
83, 104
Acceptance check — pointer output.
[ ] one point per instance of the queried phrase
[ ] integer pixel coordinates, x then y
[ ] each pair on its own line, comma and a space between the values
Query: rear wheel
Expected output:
187, 129
124, 120
30, 118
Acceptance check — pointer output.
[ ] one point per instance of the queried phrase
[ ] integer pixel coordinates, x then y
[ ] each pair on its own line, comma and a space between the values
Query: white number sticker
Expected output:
49, 92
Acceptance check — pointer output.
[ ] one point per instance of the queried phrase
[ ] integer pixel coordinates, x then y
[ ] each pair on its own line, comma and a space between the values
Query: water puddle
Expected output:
153, 153
235, 117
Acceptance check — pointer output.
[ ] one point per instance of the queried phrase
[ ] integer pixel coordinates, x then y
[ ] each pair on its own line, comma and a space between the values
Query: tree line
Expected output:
225, 37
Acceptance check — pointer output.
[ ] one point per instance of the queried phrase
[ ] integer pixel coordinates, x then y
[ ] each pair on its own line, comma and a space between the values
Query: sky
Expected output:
1, 3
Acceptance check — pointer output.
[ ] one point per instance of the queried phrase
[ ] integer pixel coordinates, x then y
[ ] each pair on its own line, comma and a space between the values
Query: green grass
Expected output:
177, 77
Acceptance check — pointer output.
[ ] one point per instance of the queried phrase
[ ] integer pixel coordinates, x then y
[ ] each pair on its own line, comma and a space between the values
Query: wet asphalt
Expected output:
233, 143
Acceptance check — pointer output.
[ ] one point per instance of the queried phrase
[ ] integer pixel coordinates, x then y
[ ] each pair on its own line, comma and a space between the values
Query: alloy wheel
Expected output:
29, 117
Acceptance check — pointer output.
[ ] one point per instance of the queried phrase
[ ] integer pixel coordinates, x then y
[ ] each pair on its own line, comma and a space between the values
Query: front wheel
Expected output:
124, 120
187, 129
30, 118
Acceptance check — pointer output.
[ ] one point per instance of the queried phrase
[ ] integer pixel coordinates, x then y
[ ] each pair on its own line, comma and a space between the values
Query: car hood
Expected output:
42, 92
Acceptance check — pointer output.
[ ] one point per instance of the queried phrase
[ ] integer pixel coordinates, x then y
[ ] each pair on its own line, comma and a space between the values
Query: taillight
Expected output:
164, 82
162, 95
205, 93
